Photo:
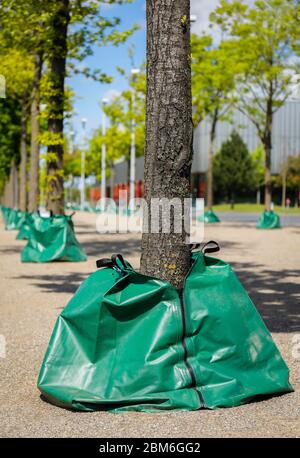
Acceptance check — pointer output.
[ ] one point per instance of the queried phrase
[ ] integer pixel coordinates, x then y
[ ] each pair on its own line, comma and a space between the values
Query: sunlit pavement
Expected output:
32, 296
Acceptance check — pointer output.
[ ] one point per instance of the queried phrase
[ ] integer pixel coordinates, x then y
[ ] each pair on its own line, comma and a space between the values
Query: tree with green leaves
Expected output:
233, 169
24, 25
74, 27
17, 67
10, 136
214, 69
59, 33
265, 37
120, 114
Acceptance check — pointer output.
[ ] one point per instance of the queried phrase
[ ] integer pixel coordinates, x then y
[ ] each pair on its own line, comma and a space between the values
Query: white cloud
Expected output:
111, 94
202, 9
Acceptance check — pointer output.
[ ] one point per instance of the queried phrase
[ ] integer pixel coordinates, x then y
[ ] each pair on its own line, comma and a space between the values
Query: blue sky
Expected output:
88, 94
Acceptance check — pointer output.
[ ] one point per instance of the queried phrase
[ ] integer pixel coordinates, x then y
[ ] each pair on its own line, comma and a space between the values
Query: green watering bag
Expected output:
5, 214
14, 219
31, 220
52, 239
126, 341
209, 217
24, 230
268, 220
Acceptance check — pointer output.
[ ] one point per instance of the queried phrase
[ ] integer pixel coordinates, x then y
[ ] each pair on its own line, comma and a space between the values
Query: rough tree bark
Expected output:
23, 163
268, 174
210, 183
267, 142
57, 64
169, 129
35, 131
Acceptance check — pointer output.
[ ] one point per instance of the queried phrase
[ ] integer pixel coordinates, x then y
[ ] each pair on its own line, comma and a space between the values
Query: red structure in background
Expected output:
139, 191
201, 189
94, 194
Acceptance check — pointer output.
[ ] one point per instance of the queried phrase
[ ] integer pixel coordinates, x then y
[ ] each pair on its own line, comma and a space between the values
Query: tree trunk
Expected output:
210, 173
169, 129
267, 142
268, 176
12, 188
35, 131
57, 64
7, 193
23, 164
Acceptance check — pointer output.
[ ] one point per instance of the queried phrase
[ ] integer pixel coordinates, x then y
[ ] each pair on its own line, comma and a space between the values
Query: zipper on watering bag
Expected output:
185, 354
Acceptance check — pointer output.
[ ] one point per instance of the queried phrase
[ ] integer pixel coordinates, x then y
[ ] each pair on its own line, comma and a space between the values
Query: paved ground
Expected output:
267, 262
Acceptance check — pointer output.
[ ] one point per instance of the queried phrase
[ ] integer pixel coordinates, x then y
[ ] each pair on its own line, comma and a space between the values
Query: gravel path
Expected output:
267, 262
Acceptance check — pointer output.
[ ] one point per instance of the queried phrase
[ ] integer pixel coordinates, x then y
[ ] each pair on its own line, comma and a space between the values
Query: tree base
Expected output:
209, 217
52, 239
269, 220
153, 348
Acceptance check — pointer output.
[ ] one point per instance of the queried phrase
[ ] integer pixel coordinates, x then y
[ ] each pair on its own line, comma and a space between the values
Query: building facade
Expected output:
286, 142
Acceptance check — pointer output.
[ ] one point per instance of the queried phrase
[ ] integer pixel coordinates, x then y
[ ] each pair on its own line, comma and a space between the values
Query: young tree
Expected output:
214, 69
120, 114
10, 136
25, 26
73, 28
233, 169
44, 29
266, 37
17, 68
57, 56
168, 149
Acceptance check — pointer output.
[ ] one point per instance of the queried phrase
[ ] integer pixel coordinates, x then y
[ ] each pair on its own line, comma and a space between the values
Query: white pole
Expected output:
103, 157
82, 187
132, 157
134, 72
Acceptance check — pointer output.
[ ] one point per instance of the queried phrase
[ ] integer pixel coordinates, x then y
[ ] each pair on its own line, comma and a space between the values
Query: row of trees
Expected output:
252, 65
41, 44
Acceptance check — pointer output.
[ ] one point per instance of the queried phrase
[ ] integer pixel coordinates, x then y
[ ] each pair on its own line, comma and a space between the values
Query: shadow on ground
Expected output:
102, 248
275, 294
64, 283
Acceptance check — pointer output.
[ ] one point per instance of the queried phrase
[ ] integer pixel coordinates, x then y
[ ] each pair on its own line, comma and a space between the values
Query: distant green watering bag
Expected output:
209, 217
52, 239
268, 220
13, 219
5, 214
126, 341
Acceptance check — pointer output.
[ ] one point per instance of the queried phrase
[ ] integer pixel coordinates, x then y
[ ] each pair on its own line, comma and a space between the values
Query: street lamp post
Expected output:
71, 151
103, 157
134, 72
82, 187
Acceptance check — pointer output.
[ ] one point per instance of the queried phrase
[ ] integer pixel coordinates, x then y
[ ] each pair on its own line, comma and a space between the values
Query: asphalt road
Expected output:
32, 296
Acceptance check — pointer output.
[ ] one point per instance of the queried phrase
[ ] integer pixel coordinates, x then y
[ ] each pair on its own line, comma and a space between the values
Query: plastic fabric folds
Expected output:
51, 239
126, 341
268, 220
209, 217
13, 218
